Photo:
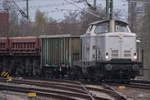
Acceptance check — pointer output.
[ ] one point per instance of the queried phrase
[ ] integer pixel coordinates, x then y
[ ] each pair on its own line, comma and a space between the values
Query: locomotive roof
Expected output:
104, 21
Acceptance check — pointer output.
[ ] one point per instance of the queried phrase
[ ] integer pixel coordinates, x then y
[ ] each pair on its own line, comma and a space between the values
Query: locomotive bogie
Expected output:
121, 69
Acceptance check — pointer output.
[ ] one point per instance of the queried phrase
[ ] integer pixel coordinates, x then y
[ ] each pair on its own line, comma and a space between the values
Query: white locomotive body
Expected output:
109, 51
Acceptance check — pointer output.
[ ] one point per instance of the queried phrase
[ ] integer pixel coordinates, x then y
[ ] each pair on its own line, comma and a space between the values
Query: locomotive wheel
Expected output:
76, 73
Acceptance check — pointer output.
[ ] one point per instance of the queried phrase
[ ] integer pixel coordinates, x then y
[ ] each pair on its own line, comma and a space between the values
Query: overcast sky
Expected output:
58, 8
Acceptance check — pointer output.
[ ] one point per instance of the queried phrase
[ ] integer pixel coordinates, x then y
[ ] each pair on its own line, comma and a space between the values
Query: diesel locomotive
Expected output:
107, 51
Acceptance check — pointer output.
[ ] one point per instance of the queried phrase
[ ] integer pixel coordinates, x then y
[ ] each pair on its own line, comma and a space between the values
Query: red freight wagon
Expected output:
4, 23
4, 45
24, 45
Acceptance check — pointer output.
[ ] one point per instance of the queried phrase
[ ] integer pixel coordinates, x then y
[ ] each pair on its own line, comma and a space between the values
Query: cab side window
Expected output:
102, 28
120, 27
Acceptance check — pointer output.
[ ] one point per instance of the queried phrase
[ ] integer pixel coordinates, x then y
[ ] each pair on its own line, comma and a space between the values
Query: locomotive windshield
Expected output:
102, 28
110, 26
121, 27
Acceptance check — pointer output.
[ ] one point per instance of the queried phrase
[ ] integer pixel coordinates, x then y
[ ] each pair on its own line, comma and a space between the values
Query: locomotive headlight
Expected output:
135, 56
106, 56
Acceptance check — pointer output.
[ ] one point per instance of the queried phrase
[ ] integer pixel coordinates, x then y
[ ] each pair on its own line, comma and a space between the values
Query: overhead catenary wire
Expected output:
83, 9
12, 5
52, 5
72, 2
20, 10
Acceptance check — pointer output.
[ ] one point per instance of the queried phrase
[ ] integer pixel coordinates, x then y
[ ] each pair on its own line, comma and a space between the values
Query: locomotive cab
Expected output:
101, 27
111, 48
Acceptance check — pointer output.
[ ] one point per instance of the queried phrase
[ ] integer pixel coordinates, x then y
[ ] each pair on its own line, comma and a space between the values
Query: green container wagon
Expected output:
60, 50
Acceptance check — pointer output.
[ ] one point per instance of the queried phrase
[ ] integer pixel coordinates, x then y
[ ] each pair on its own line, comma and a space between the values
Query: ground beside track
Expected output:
4, 95
98, 93
134, 93
8, 95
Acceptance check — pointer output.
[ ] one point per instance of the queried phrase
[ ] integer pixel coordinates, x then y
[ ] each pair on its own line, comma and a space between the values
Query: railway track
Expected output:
135, 90
141, 89
134, 84
143, 84
59, 89
108, 90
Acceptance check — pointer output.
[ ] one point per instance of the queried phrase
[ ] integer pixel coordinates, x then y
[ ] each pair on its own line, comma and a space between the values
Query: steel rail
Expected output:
109, 92
141, 81
80, 88
67, 83
90, 94
82, 93
49, 85
23, 90
50, 93
36, 90
51, 80
115, 93
138, 85
134, 84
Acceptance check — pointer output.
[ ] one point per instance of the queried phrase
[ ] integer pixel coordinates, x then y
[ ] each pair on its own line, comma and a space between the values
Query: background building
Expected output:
139, 18
135, 14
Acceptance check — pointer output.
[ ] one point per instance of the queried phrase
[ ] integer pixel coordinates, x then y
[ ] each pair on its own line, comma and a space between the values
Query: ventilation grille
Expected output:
114, 53
127, 53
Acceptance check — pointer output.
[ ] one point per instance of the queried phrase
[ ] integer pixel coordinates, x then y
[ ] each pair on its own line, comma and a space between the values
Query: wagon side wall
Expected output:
60, 51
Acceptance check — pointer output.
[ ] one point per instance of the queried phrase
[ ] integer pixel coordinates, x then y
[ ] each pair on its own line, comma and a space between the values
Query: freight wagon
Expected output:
20, 56
58, 53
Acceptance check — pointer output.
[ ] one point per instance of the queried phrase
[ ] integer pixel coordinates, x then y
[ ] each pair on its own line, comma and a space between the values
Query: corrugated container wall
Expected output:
58, 50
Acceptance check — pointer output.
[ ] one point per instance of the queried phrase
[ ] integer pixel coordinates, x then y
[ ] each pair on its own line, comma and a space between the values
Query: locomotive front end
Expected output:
121, 55
112, 52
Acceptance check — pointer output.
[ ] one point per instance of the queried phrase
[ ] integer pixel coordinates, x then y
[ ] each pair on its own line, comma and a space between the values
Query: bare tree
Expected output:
78, 22
41, 21
14, 29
